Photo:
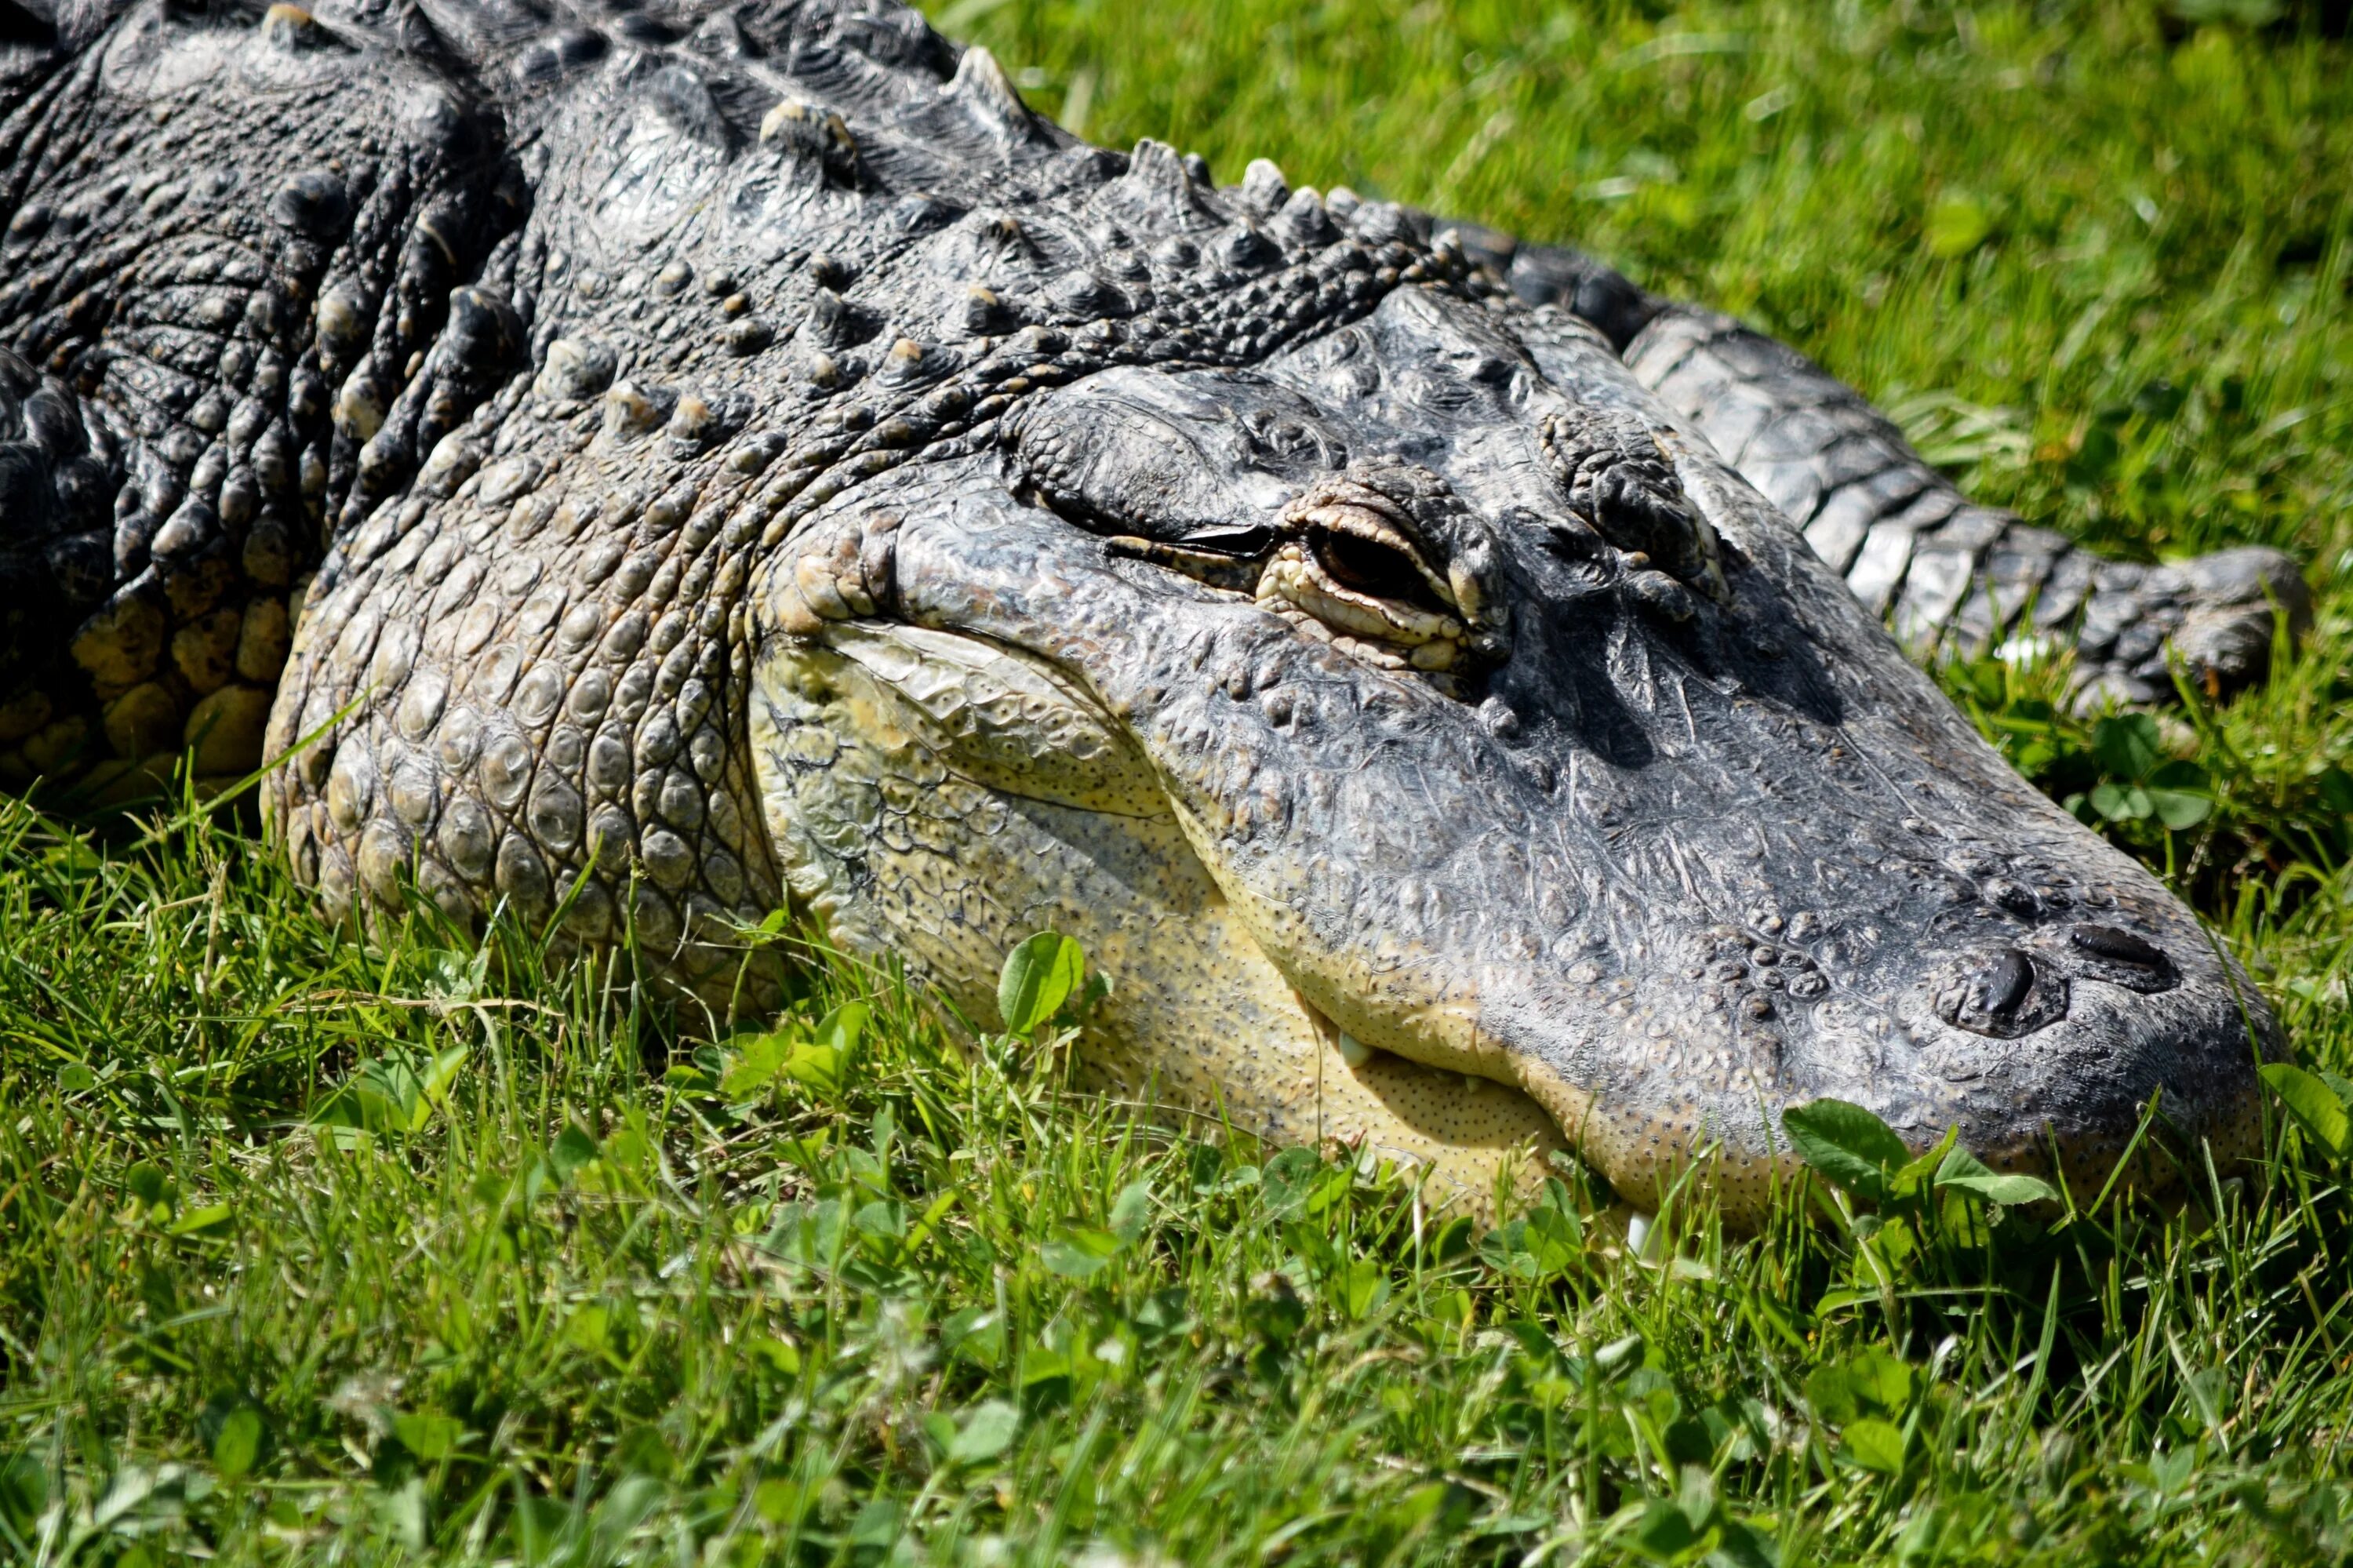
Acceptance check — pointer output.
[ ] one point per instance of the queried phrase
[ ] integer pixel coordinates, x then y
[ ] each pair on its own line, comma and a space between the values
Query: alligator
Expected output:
638, 469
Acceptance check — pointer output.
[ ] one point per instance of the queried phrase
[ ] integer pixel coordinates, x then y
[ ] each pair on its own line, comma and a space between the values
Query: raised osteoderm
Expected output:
700, 457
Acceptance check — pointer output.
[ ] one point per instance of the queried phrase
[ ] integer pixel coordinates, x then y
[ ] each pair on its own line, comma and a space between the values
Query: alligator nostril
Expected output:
2121, 958
2116, 947
2000, 987
2002, 993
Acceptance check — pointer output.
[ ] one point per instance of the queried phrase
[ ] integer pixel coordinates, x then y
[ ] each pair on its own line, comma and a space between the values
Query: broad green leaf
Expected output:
1840, 1300
1847, 1144
236, 1447
1620, 1355
877, 1524
841, 1029
753, 1066
1739, 1546
1364, 1285
1831, 1392
434, 1088
2129, 746
2181, 795
1879, 1380
1869, 1381
1956, 224
778, 1355
783, 1502
453, 975
1044, 1364
1039, 977
2313, 1103
399, 1086
1299, 1180
590, 1327
1966, 1172
1695, 1494
430, 1437
1132, 1211
390, 1095
987, 1433
150, 1188
1915, 1174
571, 1149
2121, 802
2178, 808
817, 1066
1078, 1251
1874, 1444
1553, 1239
1664, 1532
196, 1222
885, 1219
976, 1333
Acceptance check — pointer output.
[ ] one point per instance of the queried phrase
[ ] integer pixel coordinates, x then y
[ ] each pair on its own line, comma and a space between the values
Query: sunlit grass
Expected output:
323, 1249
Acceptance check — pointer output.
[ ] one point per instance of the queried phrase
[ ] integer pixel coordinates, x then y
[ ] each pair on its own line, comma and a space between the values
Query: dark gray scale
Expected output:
198, 299
1949, 577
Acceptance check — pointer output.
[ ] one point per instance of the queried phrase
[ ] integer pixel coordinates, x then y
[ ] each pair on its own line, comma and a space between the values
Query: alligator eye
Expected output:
1375, 569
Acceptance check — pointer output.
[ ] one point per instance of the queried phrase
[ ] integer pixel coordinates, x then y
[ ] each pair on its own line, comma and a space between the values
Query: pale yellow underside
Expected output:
939, 798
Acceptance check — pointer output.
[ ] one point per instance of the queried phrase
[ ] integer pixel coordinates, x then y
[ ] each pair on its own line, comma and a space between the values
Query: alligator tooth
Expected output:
1352, 1051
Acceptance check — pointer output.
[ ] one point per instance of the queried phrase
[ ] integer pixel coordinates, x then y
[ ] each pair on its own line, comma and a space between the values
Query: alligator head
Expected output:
762, 461
1419, 697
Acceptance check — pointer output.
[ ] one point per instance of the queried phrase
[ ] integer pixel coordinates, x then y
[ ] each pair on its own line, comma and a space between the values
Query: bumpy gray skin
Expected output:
746, 457
1949, 576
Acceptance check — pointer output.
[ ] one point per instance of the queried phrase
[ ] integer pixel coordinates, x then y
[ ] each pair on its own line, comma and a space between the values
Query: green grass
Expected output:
559, 1288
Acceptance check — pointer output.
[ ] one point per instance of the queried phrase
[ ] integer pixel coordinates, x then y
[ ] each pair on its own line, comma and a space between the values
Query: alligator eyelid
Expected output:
1250, 540
1234, 573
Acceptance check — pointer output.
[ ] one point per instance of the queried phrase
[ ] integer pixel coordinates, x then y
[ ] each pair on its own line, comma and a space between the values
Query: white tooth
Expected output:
1637, 1233
1352, 1051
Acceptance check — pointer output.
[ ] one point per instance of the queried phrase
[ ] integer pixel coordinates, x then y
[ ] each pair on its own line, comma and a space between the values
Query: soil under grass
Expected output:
321, 1250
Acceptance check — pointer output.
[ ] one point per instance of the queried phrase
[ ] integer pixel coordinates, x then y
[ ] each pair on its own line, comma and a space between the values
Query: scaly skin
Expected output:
1948, 574
747, 459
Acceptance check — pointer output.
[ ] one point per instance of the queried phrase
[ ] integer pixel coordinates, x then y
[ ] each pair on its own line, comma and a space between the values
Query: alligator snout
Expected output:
2008, 992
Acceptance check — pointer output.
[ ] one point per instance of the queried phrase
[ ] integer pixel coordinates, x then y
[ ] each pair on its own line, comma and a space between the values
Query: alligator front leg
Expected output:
1949, 575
